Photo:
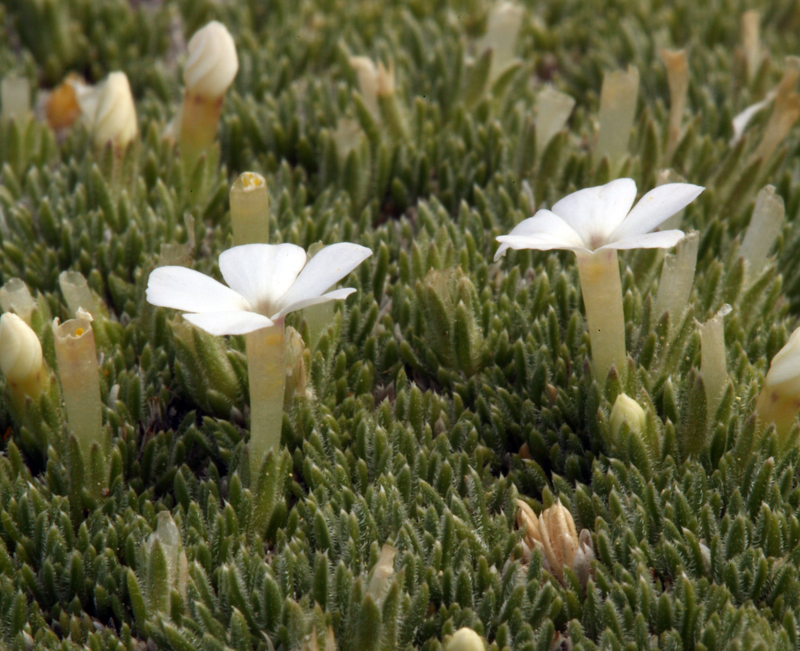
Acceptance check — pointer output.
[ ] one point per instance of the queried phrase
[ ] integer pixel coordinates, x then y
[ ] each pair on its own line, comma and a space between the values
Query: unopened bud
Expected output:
582, 563
212, 63
559, 538
21, 356
779, 401
367, 75
465, 639
382, 574
115, 116
627, 410
527, 521
296, 384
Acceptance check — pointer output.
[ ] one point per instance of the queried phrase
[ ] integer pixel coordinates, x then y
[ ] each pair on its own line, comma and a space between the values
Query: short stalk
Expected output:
713, 364
80, 381
553, 111
617, 111
76, 292
765, 226
250, 209
198, 130
266, 350
602, 296
677, 278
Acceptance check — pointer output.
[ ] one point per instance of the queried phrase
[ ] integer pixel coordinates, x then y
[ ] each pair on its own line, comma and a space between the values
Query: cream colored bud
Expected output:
383, 573
296, 384
20, 350
779, 401
367, 75
115, 117
582, 563
169, 537
527, 520
784, 370
212, 63
627, 410
465, 639
559, 538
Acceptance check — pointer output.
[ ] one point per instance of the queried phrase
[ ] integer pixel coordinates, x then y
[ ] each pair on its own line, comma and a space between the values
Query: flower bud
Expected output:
209, 71
559, 538
212, 63
296, 382
20, 355
779, 401
627, 410
115, 118
582, 563
527, 520
465, 639
382, 574
169, 537
367, 75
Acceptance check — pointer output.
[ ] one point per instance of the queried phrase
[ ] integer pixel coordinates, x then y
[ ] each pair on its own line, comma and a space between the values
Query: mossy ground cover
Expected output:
447, 387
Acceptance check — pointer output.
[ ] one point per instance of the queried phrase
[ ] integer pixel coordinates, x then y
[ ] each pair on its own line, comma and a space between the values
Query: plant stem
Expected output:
266, 350
602, 295
198, 130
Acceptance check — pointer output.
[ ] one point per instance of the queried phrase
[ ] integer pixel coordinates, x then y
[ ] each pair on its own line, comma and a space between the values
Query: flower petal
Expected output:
325, 269
535, 242
655, 207
335, 295
594, 213
185, 289
659, 240
742, 119
262, 272
229, 323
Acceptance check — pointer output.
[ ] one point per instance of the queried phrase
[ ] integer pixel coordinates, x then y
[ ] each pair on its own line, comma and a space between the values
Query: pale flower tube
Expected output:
79, 372
595, 223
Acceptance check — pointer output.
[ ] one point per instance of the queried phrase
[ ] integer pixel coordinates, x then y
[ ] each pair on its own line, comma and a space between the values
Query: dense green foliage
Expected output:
433, 375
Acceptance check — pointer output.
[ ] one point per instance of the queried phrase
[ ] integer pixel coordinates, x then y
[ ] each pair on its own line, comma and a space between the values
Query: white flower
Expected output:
266, 282
212, 62
601, 218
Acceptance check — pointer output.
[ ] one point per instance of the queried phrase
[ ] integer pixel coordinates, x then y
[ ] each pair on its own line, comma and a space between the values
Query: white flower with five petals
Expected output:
601, 218
265, 283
